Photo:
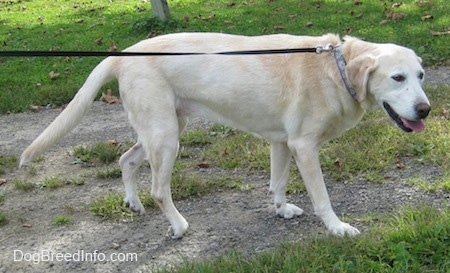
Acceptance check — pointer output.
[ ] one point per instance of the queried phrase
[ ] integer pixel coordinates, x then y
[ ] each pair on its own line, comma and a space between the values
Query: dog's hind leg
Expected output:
280, 157
161, 149
129, 163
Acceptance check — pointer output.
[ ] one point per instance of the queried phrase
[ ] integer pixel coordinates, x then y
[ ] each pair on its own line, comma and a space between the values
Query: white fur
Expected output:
297, 101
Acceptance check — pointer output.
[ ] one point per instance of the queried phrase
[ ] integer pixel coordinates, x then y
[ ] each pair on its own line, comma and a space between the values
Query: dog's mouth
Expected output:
402, 123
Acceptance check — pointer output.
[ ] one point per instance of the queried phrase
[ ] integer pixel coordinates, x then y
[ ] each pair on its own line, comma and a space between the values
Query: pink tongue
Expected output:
416, 126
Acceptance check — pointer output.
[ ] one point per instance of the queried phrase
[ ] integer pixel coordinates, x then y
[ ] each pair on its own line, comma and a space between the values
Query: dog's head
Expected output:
389, 76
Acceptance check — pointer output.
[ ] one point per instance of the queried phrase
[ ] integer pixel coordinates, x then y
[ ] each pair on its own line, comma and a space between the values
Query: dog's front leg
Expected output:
280, 158
306, 154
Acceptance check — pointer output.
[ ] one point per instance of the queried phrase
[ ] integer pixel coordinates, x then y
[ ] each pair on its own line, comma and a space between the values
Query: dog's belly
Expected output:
268, 127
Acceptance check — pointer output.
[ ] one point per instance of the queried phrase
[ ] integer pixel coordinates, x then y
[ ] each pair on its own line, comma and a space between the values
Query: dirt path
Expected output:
219, 222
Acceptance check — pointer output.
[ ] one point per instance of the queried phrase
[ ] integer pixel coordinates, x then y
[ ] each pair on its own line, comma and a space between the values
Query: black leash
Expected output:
130, 54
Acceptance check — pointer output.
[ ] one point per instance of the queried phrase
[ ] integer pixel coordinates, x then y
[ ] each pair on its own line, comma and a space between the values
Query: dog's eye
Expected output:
398, 78
421, 75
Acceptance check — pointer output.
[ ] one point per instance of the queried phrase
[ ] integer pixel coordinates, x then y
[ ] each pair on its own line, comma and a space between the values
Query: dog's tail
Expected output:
73, 113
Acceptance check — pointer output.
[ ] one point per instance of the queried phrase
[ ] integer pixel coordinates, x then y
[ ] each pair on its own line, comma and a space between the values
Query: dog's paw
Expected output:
178, 231
289, 211
135, 205
343, 229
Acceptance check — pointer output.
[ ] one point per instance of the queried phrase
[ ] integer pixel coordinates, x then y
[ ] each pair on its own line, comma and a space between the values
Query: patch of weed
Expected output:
62, 220
102, 152
109, 172
23, 185
7, 163
3, 219
52, 182
196, 137
78, 181
111, 207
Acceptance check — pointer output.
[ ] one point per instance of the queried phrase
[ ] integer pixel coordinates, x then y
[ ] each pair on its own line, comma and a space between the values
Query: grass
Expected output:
403, 242
108, 173
62, 220
3, 219
184, 186
23, 185
52, 182
101, 152
7, 163
98, 25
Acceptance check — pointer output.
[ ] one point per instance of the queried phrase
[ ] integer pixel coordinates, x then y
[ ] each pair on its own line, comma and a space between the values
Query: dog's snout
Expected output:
423, 109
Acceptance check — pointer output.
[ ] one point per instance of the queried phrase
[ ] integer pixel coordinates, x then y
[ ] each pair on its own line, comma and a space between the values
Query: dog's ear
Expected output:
358, 72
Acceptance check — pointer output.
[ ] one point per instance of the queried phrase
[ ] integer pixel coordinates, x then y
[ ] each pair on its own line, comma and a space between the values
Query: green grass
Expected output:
7, 163
65, 25
183, 186
101, 152
23, 185
62, 220
413, 240
52, 182
3, 219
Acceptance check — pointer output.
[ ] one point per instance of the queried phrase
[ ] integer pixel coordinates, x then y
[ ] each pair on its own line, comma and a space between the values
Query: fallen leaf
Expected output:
399, 164
397, 16
224, 151
423, 3
27, 225
208, 18
204, 165
113, 142
186, 18
309, 24
109, 98
397, 5
99, 41
153, 33
427, 17
227, 22
348, 30
278, 27
359, 16
2, 181
53, 75
338, 164
439, 33
112, 48
357, 3
384, 22
35, 108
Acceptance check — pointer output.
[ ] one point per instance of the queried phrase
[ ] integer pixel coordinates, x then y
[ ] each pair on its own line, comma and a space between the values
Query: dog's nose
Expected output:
423, 109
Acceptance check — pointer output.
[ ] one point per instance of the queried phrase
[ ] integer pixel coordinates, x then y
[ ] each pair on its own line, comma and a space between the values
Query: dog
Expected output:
296, 101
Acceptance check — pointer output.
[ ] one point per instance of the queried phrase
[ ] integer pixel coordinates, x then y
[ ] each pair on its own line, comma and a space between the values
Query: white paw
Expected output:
134, 204
177, 232
343, 229
289, 211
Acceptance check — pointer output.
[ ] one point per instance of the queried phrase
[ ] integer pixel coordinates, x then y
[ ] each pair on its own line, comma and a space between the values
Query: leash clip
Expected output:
327, 48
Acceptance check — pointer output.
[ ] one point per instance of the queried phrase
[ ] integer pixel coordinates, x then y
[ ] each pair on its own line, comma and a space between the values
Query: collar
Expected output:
340, 61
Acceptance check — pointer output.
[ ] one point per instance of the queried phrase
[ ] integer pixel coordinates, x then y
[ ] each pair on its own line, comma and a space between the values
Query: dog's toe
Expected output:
135, 205
344, 229
289, 211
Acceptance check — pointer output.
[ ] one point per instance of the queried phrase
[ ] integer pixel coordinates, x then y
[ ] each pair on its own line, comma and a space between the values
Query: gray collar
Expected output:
340, 61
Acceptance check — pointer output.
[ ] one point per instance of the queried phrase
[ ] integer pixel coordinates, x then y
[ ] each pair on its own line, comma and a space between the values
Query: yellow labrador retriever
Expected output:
297, 101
